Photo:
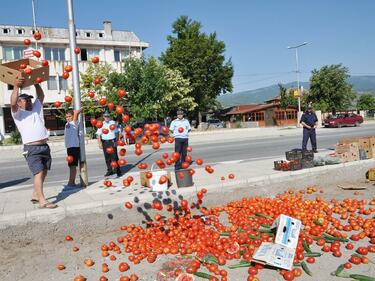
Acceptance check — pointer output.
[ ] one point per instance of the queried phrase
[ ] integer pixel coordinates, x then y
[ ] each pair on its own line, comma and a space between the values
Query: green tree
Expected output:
329, 89
366, 102
200, 59
287, 98
154, 90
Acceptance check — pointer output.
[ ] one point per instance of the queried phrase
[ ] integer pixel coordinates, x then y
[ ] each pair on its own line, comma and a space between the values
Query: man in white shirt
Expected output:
180, 127
108, 135
29, 120
72, 139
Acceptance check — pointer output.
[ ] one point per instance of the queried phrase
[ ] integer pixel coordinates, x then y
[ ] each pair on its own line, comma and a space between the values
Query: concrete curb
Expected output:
102, 206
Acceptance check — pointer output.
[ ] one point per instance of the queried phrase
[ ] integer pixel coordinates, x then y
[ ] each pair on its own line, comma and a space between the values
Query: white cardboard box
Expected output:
275, 255
281, 253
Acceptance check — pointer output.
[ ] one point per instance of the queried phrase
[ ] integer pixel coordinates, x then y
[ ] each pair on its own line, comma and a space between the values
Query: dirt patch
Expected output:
32, 252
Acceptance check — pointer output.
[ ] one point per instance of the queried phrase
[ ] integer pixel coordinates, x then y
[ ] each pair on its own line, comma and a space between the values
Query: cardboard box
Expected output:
146, 182
364, 143
9, 72
347, 147
348, 140
281, 253
275, 255
348, 156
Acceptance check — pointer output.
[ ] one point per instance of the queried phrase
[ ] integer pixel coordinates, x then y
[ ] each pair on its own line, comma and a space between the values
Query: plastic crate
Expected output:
295, 165
308, 155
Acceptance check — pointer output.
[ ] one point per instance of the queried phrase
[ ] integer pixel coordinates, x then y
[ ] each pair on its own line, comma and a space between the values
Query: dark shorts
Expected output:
75, 152
38, 157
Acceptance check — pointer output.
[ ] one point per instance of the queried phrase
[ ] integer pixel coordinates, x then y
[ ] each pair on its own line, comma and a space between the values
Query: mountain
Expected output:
360, 84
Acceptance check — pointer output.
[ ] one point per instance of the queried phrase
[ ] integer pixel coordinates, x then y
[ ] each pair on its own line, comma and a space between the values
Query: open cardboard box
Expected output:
9, 72
281, 253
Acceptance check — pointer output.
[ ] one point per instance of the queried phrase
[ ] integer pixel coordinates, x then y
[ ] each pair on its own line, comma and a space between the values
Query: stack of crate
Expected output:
354, 149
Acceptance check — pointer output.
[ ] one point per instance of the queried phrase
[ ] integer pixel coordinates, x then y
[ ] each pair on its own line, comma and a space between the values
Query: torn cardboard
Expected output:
281, 253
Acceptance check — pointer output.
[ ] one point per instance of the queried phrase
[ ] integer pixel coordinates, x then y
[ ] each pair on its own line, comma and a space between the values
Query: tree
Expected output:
200, 59
154, 90
287, 98
329, 89
366, 102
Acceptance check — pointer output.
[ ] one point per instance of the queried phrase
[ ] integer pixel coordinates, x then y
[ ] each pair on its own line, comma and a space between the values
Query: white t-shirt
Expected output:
71, 134
31, 123
176, 124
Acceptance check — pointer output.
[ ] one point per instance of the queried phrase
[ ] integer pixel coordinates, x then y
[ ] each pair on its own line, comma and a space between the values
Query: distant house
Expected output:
268, 114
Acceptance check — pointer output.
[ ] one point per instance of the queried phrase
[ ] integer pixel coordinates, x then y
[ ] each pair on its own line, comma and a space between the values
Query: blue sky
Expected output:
256, 33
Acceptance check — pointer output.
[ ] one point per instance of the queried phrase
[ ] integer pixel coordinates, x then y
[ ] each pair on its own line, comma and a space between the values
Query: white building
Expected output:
109, 45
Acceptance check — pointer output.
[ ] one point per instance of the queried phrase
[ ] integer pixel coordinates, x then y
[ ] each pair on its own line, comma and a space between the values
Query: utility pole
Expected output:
297, 72
77, 94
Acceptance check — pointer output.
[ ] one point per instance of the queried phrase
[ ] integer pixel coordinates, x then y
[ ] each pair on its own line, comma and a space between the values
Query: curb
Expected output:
102, 206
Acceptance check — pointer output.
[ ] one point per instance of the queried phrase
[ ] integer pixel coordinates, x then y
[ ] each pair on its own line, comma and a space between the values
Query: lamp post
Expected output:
77, 93
297, 71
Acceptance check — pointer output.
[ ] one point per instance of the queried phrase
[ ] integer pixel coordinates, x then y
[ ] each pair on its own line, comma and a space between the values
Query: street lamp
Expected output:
297, 71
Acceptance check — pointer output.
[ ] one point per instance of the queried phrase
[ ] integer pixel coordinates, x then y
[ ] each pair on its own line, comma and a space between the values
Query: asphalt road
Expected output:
14, 173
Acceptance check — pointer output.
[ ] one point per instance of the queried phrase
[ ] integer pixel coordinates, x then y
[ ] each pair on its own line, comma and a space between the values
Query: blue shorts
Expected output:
38, 157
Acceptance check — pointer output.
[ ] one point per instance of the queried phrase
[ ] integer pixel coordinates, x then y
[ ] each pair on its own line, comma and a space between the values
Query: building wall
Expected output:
124, 42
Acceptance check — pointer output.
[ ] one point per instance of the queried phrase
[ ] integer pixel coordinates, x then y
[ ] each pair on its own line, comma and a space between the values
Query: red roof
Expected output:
241, 109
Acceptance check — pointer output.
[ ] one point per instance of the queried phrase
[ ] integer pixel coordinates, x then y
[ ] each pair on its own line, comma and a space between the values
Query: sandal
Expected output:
34, 201
48, 205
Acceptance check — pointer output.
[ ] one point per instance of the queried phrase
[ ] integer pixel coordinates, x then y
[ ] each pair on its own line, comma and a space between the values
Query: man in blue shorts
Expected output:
29, 120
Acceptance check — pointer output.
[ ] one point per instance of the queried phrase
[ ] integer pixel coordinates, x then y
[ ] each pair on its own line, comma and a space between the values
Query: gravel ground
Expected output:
32, 252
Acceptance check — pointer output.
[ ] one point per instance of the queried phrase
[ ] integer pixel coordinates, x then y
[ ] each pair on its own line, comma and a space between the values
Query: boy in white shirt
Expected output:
29, 120
71, 135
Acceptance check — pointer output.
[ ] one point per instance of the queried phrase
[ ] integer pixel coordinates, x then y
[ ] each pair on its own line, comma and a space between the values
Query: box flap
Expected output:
288, 229
275, 255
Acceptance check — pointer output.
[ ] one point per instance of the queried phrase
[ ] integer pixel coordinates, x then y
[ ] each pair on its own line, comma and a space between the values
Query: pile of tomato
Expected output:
215, 247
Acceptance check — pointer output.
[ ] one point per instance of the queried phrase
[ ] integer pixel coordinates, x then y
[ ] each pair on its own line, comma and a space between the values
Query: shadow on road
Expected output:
13, 182
65, 193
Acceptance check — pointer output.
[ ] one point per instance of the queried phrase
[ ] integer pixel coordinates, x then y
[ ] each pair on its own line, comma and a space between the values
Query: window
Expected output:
6, 30
13, 53
52, 83
121, 54
257, 116
87, 54
77, 34
20, 31
88, 34
101, 35
54, 54
10, 87
63, 84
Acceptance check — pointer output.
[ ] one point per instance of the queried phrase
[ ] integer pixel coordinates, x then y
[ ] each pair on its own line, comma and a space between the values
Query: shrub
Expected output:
91, 133
15, 137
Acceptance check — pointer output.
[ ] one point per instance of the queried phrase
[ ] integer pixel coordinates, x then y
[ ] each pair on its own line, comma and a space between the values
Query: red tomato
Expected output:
77, 50
95, 60
69, 159
68, 99
91, 94
128, 205
112, 127
68, 238
310, 259
125, 118
37, 35
180, 130
121, 93
347, 265
97, 81
27, 42
349, 246
68, 68
288, 275
120, 109
57, 104
38, 80
65, 75
36, 53
105, 131
102, 101
44, 63
362, 251
99, 124
111, 105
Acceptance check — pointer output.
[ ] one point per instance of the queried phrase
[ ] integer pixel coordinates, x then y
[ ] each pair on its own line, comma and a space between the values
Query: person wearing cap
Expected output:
72, 143
29, 120
180, 128
309, 122
108, 139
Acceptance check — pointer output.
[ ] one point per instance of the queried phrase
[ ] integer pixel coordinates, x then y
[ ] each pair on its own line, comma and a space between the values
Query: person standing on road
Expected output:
309, 121
108, 135
71, 135
180, 128
29, 120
